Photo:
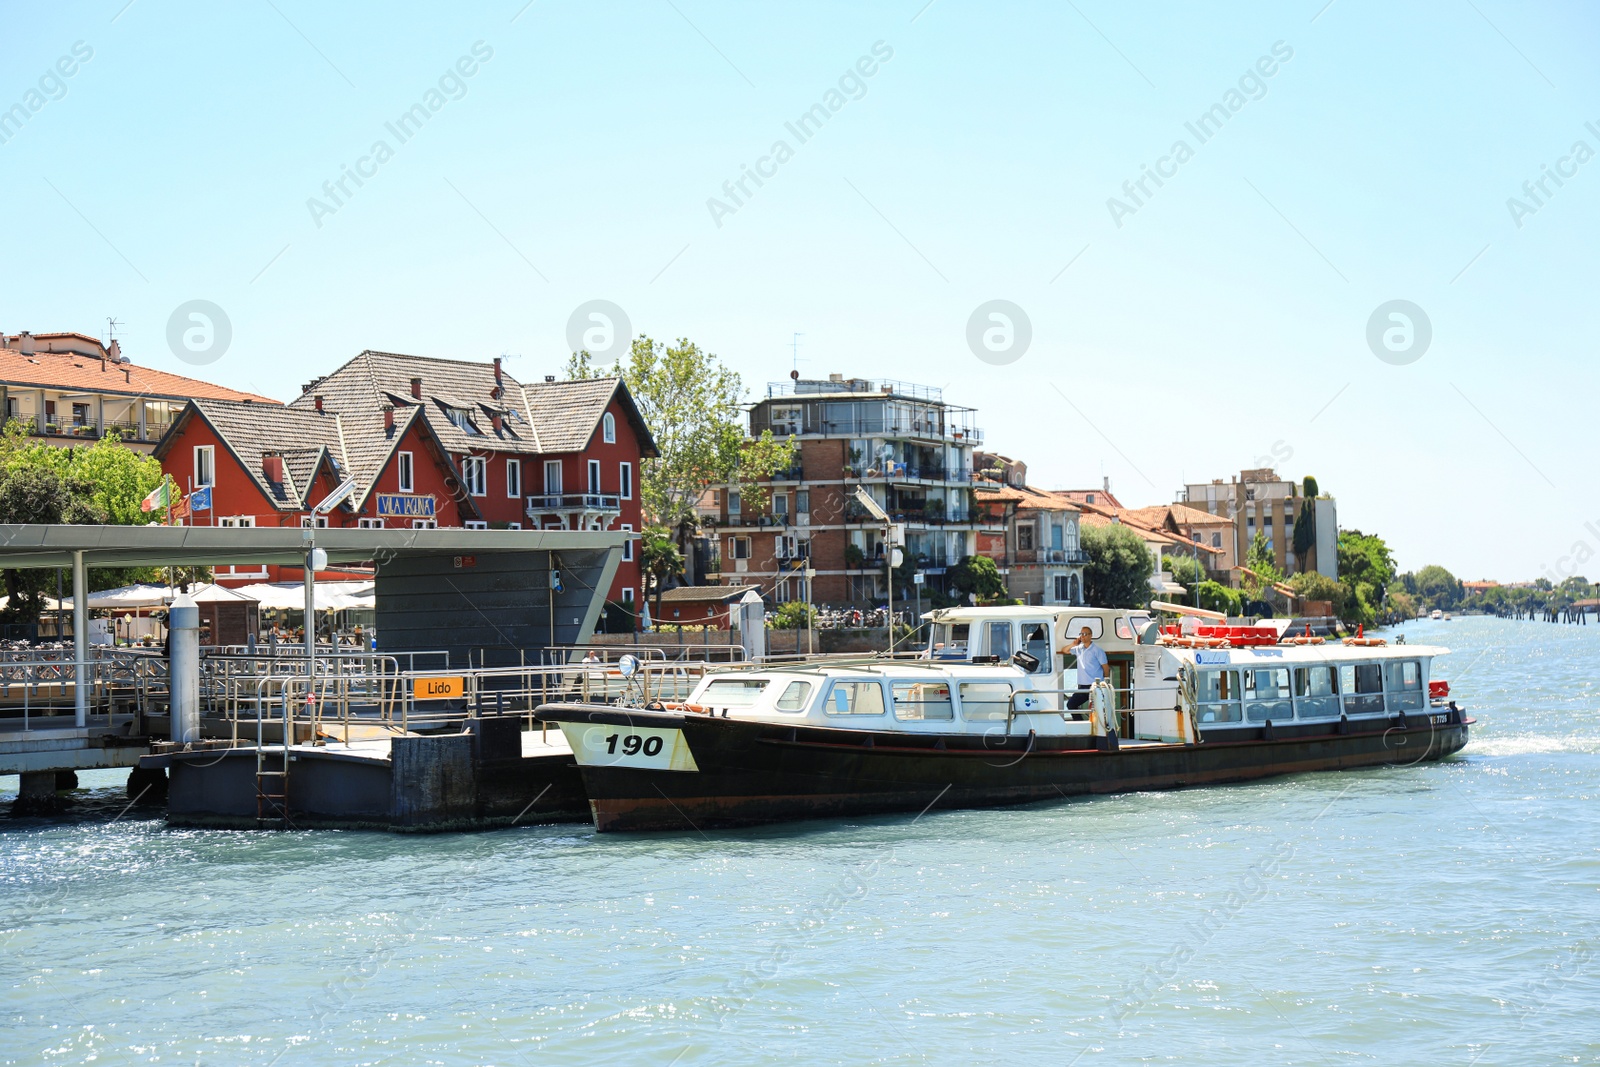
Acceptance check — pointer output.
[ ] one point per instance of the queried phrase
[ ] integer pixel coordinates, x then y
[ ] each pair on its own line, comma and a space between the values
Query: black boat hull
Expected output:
752, 773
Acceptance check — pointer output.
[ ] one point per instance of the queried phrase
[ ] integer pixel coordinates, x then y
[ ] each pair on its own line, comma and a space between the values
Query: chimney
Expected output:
497, 372
494, 420
27, 343
416, 388
127, 375
1105, 483
388, 417
317, 400
548, 378
272, 467
115, 351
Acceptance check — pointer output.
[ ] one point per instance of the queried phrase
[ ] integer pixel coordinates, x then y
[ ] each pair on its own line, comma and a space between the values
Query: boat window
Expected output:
1314, 694
1036, 643
1405, 684
733, 692
915, 701
1266, 694
950, 640
795, 697
1362, 686
1093, 622
1123, 629
1218, 696
1000, 640
985, 701
856, 698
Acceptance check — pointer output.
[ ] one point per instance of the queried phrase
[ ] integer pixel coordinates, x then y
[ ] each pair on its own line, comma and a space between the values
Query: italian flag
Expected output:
159, 497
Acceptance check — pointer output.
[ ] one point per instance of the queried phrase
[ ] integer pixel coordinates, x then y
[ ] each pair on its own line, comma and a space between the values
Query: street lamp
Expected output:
874, 509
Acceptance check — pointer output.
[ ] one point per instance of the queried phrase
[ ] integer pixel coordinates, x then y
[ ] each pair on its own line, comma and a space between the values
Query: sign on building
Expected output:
395, 505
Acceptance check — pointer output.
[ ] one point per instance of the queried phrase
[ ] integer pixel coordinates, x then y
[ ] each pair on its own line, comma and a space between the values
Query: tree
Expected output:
1263, 569
1366, 569
34, 494
1214, 596
691, 402
1119, 568
1437, 588
793, 615
661, 559
1186, 571
977, 574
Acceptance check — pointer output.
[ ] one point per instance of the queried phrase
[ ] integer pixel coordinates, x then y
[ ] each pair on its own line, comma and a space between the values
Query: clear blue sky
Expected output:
1225, 318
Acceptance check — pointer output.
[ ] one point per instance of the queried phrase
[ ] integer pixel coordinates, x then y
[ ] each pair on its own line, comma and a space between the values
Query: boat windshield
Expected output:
949, 640
734, 692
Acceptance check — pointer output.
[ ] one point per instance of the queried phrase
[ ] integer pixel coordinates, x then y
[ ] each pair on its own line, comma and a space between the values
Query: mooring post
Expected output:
80, 639
183, 671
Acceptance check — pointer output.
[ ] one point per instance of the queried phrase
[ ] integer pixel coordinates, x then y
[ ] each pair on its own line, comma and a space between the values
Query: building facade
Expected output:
1259, 501
900, 443
70, 388
425, 442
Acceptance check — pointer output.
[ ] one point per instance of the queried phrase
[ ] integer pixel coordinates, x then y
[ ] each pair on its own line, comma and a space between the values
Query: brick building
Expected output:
428, 442
901, 443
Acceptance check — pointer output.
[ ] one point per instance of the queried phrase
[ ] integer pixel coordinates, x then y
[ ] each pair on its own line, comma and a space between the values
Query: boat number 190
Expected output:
633, 744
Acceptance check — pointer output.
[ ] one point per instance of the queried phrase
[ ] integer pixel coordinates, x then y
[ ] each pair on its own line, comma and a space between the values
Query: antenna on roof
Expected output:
794, 355
111, 329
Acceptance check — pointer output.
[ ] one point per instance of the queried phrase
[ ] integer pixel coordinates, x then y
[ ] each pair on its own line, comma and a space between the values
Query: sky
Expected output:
1239, 312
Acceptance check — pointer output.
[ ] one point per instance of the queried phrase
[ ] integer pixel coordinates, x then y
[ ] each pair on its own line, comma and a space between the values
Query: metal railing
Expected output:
43, 683
575, 501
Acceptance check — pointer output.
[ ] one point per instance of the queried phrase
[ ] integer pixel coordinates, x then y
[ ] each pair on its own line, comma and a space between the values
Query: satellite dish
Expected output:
628, 665
794, 375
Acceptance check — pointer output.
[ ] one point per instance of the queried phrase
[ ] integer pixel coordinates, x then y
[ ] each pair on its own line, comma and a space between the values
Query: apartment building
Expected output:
902, 443
1259, 501
70, 388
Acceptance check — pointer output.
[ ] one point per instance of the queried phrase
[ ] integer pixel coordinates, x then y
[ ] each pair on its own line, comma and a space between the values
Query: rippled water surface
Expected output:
1443, 914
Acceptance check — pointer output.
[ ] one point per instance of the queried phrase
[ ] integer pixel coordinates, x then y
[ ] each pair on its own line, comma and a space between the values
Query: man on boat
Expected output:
1091, 667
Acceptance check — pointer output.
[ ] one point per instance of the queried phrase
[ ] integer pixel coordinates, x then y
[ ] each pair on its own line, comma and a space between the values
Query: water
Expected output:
1442, 914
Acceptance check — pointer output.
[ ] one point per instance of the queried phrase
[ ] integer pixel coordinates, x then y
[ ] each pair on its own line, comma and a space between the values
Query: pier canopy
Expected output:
466, 592
29, 546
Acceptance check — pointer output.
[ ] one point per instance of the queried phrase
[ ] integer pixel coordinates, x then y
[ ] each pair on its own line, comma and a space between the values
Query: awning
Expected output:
327, 596
128, 596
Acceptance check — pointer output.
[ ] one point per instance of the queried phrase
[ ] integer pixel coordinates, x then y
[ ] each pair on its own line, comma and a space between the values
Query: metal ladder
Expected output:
272, 781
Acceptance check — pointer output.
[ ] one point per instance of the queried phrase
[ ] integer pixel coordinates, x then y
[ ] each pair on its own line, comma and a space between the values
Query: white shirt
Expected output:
1091, 664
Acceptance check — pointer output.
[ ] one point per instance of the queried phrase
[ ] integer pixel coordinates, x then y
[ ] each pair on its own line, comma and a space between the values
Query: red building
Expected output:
428, 442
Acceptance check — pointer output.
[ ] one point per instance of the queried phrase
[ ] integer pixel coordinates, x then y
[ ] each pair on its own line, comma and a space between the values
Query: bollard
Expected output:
183, 670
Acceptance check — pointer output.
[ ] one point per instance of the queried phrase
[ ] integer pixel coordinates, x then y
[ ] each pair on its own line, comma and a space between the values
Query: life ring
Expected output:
1365, 642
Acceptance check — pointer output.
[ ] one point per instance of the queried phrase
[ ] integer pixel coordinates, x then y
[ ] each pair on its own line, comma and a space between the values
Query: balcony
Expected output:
57, 427
597, 502
1071, 557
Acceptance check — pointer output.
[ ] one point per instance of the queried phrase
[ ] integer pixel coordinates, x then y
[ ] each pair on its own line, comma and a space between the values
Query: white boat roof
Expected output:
898, 669
1334, 651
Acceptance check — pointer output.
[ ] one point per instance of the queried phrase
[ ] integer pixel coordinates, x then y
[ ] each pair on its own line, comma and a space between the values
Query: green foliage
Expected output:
1119, 568
618, 618
853, 556
1366, 570
794, 615
691, 402
1214, 596
1305, 528
660, 558
1309, 585
1436, 587
976, 574
99, 483
1186, 571
1309, 487
1264, 567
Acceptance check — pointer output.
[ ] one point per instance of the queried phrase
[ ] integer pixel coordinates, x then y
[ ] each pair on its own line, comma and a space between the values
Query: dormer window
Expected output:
462, 419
